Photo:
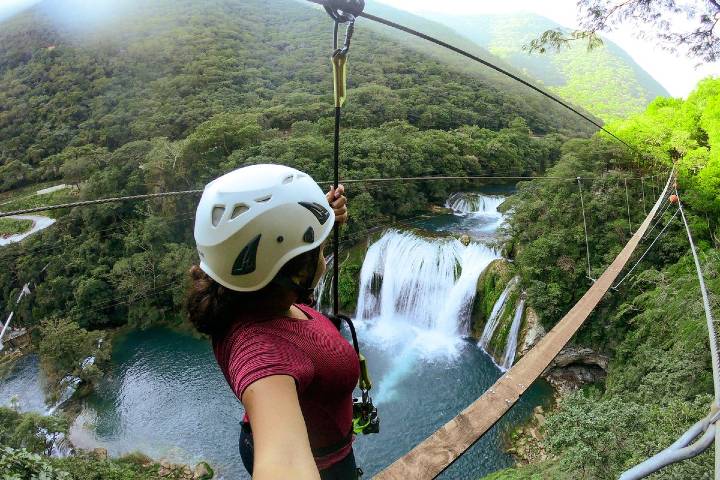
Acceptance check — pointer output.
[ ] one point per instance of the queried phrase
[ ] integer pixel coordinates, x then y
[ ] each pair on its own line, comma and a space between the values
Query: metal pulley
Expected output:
344, 11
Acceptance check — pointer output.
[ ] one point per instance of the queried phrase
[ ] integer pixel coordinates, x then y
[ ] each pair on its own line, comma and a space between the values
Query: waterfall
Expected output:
496, 314
414, 288
71, 384
59, 445
512, 339
89, 361
462, 203
325, 281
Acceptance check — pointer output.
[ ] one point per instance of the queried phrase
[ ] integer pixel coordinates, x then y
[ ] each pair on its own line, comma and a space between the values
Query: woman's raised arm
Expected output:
281, 445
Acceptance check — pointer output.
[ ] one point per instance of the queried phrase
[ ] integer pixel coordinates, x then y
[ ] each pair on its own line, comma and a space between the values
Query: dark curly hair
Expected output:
213, 308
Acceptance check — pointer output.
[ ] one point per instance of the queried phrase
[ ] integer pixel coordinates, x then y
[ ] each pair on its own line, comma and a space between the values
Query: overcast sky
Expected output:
678, 75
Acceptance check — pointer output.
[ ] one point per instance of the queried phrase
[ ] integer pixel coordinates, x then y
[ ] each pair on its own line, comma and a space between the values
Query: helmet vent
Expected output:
289, 179
264, 199
309, 236
239, 210
245, 262
217, 214
318, 210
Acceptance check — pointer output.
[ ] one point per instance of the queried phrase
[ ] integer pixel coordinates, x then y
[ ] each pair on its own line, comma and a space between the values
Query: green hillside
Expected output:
160, 72
606, 81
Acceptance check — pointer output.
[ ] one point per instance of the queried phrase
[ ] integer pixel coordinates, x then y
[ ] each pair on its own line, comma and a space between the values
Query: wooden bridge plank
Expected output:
436, 453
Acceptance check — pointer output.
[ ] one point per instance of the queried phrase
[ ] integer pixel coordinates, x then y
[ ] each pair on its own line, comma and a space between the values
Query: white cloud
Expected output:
11, 7
678, 75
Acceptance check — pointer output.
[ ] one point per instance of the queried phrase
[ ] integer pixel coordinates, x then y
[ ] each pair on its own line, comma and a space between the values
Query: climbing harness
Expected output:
365, 414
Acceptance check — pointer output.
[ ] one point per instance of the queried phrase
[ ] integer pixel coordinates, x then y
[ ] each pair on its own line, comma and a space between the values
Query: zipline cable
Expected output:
475, 58
706, 304
151, 196
101, 201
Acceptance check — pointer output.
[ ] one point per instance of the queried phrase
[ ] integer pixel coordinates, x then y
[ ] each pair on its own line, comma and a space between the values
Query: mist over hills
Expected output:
605, 81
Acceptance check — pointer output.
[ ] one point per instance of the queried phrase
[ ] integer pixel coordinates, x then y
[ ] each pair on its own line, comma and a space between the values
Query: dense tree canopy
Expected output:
162, 68
653, 327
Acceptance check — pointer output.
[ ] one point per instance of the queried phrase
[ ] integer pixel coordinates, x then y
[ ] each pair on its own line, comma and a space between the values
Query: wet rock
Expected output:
186, 473
440, 210
532, 333
579, 355
100, 453
527, 446
165, 469
575, 367
203, 472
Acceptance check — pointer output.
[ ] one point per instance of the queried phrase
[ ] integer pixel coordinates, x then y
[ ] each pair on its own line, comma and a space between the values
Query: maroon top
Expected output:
324, 365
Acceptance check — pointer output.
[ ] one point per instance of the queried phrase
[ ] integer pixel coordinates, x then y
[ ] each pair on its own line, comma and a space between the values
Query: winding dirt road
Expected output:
39, 223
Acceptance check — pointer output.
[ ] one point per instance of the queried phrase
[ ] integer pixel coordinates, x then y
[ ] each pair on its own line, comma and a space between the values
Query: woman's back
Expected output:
312, 351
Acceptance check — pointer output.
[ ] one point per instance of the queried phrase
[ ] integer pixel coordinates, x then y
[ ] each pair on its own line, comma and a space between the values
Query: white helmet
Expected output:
252, 221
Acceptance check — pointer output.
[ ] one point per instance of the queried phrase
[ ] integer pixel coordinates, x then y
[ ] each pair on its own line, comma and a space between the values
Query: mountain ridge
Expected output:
605, 81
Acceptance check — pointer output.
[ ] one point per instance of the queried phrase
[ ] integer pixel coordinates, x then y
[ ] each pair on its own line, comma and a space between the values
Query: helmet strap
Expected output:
306, 291
287, 282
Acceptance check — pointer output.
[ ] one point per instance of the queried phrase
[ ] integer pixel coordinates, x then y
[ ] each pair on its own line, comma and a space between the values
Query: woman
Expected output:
260, 233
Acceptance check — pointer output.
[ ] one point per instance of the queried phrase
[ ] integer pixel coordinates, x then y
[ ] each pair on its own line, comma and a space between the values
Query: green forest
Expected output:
171, 95
654, 329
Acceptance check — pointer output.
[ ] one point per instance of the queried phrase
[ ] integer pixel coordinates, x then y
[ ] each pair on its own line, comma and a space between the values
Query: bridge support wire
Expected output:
681, 450
441, 449
627, 202
642, 184
587, 243
646, 251
663, 209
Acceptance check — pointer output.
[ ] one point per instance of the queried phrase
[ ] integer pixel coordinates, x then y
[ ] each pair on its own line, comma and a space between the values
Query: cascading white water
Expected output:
325, 281
511, 345
462, 203
417, 293
496, 314
410, 284
71, 383
59, 445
